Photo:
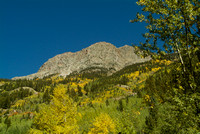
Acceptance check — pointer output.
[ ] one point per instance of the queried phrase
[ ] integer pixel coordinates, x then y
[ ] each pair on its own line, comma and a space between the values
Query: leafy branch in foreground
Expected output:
173, 27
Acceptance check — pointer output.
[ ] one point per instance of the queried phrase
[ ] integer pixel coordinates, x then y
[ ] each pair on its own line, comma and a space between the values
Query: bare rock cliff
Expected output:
99, 55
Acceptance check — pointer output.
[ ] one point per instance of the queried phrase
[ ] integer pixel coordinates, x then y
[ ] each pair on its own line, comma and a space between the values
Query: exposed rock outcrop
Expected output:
99, 55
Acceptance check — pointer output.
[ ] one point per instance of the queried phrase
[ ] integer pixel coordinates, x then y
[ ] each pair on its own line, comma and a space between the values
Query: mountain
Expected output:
99, 56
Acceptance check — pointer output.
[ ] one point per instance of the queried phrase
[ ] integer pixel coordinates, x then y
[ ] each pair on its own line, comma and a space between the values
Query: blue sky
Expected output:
32, 31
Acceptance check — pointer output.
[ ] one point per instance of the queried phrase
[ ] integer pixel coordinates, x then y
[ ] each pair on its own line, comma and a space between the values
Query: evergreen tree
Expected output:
46, 97
7, 122
107, 102
7, 102
79, 91
120, 107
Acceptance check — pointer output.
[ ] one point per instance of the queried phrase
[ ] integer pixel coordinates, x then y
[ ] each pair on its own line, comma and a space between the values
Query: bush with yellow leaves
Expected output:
59, 116
103, 124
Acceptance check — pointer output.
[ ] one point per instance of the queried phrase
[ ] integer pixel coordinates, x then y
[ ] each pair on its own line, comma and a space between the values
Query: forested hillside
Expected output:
160, 96
80, 103
146, 97
85, 103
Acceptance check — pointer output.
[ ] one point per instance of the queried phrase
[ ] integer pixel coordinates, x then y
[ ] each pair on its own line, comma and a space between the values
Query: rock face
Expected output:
101, 55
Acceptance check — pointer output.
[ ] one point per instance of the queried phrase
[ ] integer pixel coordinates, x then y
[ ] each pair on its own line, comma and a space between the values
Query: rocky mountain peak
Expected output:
102, 45
101, 55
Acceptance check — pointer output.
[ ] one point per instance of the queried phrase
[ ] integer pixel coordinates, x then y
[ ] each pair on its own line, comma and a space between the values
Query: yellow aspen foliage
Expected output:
146, 68
155, 69
141, 86
134, 75
35, 131
152, 105
59, 116
147, 97
19, 103
47, 88
103, 124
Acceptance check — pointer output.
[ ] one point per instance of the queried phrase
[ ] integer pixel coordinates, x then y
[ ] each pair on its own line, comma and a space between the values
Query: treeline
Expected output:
37, 85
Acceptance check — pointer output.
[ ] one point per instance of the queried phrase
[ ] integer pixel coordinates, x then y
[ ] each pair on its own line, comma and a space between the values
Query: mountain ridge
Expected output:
98, 55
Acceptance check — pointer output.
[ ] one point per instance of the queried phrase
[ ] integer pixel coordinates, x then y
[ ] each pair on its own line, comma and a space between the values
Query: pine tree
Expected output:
107, 103
0, 119
79, 91
7, 122
120, 107
46, 97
